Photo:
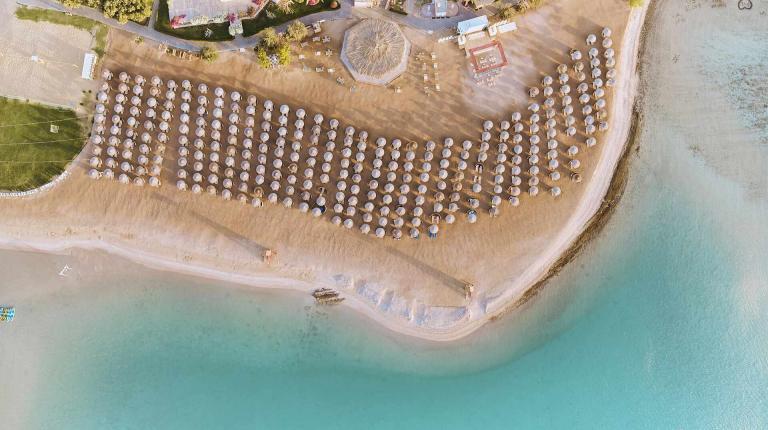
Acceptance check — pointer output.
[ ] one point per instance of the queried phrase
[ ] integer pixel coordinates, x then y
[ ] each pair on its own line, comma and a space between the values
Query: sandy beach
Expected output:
413, 287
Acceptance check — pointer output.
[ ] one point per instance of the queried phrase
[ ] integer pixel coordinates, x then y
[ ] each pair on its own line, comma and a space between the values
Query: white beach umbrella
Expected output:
575, 55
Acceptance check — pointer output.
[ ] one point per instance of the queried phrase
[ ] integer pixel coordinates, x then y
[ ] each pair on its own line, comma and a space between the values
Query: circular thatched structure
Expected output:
375, 51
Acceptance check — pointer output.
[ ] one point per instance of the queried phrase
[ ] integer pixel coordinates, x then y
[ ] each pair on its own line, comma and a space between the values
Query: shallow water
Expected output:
661, 323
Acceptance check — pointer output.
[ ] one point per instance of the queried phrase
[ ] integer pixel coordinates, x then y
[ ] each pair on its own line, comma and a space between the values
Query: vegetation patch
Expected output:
284, 11
123, 11
97, 29
36, 143
398, 6
215, 32
275, 49
209, 54
512, 10
275, 13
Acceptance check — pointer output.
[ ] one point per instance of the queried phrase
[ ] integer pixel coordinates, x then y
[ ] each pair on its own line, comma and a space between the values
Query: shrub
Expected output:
636, 3
297, 31
284, 6
208, 54
283, 54
262, 57
269, 38
72, 4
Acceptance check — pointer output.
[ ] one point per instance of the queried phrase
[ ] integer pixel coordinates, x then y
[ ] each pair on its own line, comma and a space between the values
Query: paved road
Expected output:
346, 11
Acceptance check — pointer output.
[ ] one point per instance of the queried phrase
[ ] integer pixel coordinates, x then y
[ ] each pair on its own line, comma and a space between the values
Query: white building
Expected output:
473, 25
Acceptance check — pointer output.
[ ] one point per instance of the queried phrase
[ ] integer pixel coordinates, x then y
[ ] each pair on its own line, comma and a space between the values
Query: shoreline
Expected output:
612, 197
593, 210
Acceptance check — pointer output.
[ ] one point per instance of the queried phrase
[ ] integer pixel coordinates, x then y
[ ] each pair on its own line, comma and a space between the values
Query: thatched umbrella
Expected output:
375, 51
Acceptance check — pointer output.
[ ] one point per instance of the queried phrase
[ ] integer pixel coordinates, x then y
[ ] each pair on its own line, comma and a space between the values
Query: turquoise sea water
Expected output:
661, 324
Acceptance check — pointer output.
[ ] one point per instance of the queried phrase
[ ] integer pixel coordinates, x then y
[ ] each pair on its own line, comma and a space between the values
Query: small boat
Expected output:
324, 293
7, 313
330, 300
327, 296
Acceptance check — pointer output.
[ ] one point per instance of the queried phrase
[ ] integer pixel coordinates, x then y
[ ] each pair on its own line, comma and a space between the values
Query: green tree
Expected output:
269, 38
636, 3
297, 31
127, 10
72, 4
263, 57
283, 54
208, 54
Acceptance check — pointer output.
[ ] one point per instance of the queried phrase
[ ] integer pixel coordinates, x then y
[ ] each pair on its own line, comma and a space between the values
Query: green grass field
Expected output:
31, 155
99, 31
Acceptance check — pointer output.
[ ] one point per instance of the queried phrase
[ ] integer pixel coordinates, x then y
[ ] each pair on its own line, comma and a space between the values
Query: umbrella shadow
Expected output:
244, 242
444, 277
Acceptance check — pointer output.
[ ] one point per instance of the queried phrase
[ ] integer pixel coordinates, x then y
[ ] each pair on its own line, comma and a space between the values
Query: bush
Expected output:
283, 55
127, 10
73, 4
208, 54
263, 57
297, 31
269, 38
284, 6
636, 3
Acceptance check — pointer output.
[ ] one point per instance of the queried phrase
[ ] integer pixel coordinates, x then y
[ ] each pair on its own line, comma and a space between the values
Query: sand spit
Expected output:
410, 287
